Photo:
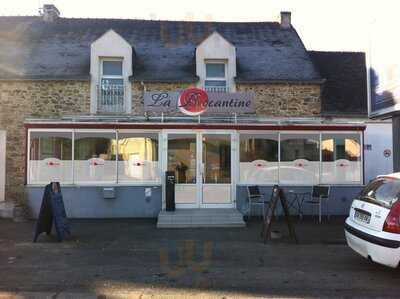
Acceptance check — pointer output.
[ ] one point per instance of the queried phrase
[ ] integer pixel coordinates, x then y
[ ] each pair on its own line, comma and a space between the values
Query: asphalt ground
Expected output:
131, 258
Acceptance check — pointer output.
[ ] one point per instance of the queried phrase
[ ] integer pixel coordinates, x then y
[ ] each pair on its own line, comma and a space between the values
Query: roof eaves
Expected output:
280, 81
177, 80
47, 78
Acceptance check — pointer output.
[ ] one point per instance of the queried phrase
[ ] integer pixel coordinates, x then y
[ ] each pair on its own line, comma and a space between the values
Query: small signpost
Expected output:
277, 194
52, 210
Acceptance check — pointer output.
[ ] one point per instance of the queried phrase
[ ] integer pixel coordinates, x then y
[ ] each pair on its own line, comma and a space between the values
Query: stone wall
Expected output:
285, 100
43, 99
23, 99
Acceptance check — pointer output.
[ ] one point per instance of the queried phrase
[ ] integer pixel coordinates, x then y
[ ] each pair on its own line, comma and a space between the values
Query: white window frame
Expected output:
266, 134
345, 133
303, 133
159, 153
225, 78
97, 131
120, 77
111, 59
28, 152
97, 183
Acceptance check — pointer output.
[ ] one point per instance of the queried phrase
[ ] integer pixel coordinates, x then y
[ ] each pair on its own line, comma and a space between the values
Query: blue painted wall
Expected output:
339, 202
130, 201
89, 202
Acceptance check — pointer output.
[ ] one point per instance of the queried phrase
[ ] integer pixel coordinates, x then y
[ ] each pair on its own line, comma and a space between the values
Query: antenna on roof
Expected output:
40, 8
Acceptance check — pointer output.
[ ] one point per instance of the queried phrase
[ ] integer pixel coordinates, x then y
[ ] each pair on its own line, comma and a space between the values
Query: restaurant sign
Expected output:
195, 101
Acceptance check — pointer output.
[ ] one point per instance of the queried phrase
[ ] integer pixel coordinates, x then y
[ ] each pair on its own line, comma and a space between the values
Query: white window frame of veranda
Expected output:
160, 156
320, 135
74, 132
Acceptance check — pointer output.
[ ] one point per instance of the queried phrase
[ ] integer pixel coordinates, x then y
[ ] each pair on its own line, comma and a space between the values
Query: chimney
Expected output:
286, 22
50, 13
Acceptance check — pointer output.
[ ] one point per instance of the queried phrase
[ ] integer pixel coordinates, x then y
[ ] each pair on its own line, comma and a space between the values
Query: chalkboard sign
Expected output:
277, 195
52, 211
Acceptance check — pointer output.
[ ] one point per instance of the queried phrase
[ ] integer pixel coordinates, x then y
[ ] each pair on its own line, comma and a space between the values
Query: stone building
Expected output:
106, 106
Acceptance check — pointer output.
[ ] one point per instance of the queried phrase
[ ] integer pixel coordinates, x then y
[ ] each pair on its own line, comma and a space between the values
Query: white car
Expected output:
373, 226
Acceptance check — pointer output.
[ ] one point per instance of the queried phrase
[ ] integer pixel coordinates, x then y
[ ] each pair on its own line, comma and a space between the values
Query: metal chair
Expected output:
256, 198
317, 196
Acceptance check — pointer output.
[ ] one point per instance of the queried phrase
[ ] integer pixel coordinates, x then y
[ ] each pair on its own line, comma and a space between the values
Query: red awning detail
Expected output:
193, 126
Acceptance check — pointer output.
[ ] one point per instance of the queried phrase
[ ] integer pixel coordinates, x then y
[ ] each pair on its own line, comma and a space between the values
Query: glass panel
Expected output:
215, 70
258, 158
138, 157
341, 158
383, 191
50, 157
112, 68
299, 159
95, 155
182, 157
217, 159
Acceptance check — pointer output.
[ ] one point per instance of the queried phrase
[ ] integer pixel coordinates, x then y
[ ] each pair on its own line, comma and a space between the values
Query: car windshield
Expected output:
383, 191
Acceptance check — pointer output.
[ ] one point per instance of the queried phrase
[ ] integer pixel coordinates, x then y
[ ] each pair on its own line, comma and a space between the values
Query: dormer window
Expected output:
110, 70
216, 64
216, 74
112, 89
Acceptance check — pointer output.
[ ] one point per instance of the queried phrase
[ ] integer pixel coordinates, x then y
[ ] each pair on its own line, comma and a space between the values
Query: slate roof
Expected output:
164, 50
345, 89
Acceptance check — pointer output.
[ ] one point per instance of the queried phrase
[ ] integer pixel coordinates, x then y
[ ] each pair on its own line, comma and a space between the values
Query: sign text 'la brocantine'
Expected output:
195, 101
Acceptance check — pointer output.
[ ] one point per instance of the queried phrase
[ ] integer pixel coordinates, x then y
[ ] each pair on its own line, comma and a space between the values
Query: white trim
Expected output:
232, 203
362, 167
303, 133
279, 157
95, 131
198, 135
320, 159
216, 47
73, 156
224, 62
28, 158
108, 46
162, 136
3, 143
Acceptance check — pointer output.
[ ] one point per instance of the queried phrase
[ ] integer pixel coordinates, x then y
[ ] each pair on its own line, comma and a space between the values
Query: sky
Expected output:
338, 25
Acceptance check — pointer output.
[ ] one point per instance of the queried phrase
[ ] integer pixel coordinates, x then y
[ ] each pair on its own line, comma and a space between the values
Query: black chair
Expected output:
318, 195
256, 198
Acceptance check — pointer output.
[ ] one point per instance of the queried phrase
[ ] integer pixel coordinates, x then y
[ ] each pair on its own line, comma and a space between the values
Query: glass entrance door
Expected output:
216, 169
202, 166
182, 159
